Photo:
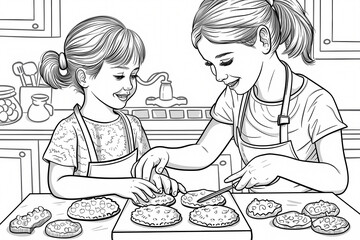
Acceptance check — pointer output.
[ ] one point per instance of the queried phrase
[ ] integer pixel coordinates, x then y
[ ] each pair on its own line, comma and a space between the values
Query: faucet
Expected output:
166, 98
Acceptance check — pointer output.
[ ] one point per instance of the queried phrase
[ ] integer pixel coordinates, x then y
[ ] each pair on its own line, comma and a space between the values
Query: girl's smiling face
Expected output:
236, 65
114, 85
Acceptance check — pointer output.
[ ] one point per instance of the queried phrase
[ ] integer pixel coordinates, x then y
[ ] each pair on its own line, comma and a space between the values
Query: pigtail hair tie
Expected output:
62, 61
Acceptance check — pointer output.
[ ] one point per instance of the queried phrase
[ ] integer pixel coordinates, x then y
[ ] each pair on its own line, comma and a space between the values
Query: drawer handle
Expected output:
327, 41
22, 154
223, 162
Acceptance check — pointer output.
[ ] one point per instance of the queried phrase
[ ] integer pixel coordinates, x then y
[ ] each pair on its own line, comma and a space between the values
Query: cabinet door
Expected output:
43, 168
15, 178
337, 24
36, 18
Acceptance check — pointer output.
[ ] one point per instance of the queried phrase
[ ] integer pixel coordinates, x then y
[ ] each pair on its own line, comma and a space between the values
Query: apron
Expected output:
116, 168
284, 147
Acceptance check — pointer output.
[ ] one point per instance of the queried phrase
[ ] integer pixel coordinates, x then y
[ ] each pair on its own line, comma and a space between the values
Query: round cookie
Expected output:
214, 216
93, 209
190, 199
264, 208
63, 228
330, 225
156, 216
320, 209
161, 199
292, 220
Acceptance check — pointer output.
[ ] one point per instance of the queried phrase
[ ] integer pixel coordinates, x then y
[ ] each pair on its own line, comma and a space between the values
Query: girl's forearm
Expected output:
191, 157
197, 156
323, 177
72, 187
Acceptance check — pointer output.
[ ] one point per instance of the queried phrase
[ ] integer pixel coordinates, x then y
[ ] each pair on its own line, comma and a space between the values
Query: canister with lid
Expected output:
10, 109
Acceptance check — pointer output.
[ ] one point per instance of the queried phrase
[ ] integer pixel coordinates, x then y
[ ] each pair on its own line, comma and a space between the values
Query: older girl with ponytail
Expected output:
287, 128
92, 151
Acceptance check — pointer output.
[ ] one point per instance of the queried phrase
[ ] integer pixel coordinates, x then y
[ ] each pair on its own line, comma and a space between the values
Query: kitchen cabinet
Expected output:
24, 18
337, 24
15, 176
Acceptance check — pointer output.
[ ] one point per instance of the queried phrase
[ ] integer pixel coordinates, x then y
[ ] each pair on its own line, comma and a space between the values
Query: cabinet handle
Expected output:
22, 154
35, 26
223, 163
327, 41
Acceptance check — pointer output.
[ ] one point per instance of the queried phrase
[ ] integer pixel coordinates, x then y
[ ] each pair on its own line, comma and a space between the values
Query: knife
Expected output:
214, 194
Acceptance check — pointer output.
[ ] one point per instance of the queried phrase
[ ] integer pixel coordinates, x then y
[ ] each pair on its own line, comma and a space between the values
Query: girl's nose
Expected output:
128, 85
221, 77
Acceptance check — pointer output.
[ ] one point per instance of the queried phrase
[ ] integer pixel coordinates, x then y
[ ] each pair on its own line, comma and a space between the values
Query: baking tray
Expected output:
126, 229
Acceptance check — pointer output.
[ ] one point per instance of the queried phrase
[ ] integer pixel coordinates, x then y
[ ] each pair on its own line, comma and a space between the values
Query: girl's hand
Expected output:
262, 170
169, 185
156, 158
135, 188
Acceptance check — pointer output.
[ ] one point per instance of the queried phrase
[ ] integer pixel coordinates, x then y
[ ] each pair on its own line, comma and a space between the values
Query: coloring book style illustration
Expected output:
177, 119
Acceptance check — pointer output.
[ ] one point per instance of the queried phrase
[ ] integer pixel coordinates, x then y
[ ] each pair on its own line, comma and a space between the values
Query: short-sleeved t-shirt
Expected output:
67, 146
313, 114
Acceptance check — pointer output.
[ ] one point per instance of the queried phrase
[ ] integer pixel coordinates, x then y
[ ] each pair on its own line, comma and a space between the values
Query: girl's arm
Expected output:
328, 175
196, 156
64, 184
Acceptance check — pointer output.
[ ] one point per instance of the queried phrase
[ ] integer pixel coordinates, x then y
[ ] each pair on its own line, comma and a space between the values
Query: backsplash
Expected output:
174, 113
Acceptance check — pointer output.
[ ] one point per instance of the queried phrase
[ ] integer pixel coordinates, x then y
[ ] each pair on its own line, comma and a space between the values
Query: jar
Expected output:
10, 109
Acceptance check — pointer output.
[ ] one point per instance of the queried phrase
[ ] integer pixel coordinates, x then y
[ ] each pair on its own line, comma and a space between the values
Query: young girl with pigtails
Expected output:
92, 151
287, 128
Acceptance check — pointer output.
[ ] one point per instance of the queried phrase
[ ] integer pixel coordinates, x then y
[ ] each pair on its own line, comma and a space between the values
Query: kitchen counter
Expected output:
58, 207
260, 229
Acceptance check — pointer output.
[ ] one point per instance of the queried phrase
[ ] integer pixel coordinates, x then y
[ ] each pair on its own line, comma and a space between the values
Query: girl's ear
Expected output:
263, 39
81, 77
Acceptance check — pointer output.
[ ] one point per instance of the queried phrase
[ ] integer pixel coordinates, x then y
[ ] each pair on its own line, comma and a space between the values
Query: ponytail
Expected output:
237, 21
53, 75
296, 31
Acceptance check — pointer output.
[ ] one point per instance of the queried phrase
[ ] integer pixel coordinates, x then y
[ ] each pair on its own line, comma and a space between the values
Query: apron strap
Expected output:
86, 134
284, 119
239, 123
128, 130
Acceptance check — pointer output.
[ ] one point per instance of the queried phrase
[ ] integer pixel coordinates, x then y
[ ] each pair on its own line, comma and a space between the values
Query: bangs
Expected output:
126, 47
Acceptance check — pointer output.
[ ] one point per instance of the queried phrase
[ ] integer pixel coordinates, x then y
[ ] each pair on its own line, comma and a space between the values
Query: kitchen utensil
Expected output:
30, 70
216, 193
18, 70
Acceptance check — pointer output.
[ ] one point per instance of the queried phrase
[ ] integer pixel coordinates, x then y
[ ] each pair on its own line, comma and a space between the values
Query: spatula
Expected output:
214, 194
19, 71
30, 70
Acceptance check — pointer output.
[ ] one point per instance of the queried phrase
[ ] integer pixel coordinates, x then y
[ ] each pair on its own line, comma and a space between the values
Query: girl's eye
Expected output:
208, 63
212, 67
226, 62
119, 77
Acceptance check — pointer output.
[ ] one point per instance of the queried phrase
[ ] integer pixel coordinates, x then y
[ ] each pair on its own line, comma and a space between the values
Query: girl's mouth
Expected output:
233, 84
122, 97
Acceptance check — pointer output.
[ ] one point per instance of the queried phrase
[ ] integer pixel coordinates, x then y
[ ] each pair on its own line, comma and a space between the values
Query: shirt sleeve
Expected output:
62, 147
223, 109
140, 139
322, 115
